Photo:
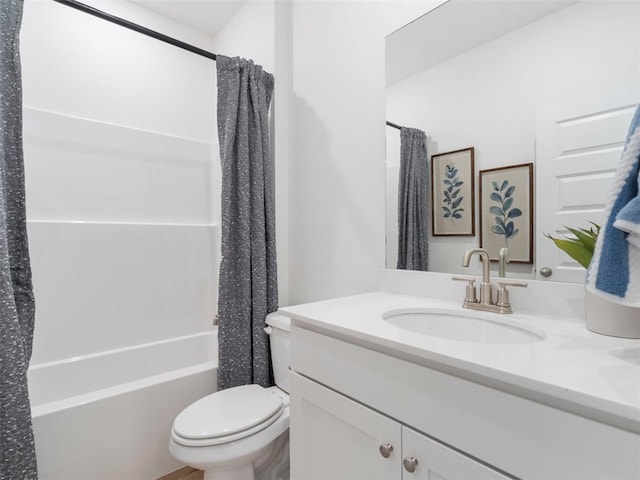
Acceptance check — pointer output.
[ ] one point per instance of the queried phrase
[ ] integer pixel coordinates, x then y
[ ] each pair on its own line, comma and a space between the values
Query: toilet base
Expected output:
245, 472
272, 464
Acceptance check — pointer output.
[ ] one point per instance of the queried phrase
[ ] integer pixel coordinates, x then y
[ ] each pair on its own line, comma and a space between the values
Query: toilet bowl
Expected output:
233, 433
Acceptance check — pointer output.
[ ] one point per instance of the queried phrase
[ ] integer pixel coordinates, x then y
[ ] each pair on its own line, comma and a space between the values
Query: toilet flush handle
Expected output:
268, 330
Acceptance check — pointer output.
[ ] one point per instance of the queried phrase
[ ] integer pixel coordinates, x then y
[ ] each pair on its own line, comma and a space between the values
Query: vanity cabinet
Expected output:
334, 437
349, 397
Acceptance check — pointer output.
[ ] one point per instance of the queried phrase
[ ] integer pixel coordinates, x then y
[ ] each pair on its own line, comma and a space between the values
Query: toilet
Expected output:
241, 433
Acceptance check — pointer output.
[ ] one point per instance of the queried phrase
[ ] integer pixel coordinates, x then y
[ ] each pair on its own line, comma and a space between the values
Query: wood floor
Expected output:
185, 473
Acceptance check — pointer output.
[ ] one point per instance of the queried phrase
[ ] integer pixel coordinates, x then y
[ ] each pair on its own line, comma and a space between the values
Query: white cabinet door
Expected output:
578, 148
434, 461
335, 438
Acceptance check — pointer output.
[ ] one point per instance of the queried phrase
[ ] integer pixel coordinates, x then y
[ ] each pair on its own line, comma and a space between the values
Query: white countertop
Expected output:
572, 368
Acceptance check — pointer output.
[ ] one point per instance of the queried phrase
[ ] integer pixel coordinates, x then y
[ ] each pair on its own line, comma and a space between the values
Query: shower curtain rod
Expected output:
135, 27
394, 125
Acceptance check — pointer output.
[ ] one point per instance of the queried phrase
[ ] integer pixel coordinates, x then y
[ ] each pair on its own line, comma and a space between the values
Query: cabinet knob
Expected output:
410, 464
546, 272
386, 449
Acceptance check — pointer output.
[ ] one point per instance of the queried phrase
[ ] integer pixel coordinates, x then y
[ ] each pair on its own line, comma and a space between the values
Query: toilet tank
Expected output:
278, 330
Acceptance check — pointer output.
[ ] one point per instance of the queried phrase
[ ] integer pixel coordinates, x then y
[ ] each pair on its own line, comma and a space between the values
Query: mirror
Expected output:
488, 75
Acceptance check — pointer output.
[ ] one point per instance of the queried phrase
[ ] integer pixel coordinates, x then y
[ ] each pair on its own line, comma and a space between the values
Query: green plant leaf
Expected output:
580, 248
574, 249
592, 232
584, 237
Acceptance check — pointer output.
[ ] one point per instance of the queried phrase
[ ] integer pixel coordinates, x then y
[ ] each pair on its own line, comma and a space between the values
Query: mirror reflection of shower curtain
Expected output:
17, 307
413, 201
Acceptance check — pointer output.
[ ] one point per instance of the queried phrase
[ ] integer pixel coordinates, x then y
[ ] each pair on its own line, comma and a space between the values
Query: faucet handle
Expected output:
470, 296
512, 283
503, 293
463, 278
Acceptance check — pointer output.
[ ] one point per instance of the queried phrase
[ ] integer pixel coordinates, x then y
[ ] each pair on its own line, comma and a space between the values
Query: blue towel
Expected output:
614, 272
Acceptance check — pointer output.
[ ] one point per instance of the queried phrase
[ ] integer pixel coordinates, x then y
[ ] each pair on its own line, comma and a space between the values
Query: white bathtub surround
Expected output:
123, 247
103, 286
109, 415
124, 258
571, 398
122, 174
86, 170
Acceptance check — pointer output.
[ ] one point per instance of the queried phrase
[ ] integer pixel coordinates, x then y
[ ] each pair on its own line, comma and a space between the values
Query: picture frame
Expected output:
506, 211
453, 193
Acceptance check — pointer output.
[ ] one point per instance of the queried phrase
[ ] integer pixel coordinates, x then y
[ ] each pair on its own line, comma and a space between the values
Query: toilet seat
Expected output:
227, 416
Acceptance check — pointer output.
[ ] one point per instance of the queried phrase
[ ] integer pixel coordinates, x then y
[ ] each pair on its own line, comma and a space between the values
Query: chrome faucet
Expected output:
485, 303
503, 259
485, 286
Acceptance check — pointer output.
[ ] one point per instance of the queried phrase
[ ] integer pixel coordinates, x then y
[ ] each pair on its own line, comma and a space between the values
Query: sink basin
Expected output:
472, 327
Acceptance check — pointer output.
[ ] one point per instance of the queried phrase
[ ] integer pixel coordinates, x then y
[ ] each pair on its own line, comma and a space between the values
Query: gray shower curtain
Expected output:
17, 307
248, 288
413, 200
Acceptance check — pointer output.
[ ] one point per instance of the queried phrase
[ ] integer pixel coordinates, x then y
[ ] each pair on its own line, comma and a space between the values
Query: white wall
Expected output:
282, 113
118, 135
250, 34
336, 170
488, 97
85, 67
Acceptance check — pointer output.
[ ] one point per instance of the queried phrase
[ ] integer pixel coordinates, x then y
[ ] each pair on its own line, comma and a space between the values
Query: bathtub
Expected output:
108, 415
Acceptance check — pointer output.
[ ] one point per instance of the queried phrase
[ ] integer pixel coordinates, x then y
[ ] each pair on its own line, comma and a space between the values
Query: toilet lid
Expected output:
228, 412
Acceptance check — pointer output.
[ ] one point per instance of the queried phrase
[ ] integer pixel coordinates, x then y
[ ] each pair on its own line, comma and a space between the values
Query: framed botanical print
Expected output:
506, 212
452, 193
